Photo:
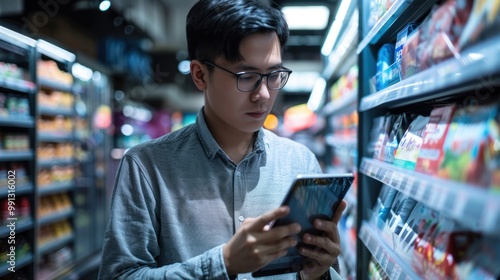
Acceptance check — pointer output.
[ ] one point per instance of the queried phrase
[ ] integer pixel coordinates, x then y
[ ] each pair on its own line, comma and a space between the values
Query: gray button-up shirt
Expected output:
177, 199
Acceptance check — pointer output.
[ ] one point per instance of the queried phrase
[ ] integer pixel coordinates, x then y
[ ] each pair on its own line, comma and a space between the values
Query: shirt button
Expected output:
244, 278
241, 218
238, 173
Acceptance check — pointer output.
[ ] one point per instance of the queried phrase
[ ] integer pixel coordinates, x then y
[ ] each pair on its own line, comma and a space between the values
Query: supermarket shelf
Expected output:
15, 155
55, 137
345, 104
53, 162
50, 111
17, 85
56, 217
55, 244
56, 188
21, 225
21, 189
473, 69
399, 14
22, 262
389, 260
472, 206
46, 83
17, 121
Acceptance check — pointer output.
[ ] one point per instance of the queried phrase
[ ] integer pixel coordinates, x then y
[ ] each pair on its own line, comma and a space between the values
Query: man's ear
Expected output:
199, 74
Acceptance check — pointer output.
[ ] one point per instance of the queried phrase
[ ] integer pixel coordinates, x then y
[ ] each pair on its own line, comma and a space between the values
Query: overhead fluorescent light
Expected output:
306, 17
316, 98
334, 31
54, 51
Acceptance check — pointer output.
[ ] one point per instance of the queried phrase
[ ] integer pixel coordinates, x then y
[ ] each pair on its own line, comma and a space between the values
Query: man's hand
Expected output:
255, 245
327, 247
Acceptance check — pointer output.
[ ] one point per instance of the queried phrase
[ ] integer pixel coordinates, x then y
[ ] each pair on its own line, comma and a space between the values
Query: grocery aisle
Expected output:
405, 98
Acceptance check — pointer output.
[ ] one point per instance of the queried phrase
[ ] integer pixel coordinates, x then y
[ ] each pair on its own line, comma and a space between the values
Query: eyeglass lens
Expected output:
250, 81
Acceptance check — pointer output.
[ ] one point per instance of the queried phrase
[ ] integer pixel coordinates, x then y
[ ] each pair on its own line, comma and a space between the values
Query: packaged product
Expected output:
407, 153
401, 40
441, 248
382, 136
383, 205
442, 30
377, 125
468, 145
420, 219
484, 22
431, 153
410, 60
400, 211
385, 60
398, 129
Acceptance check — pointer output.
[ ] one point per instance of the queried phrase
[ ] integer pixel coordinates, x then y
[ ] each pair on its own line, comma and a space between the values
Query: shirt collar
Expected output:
210, 145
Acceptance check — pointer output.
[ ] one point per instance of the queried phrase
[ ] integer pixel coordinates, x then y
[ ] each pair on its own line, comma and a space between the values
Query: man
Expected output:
195, 203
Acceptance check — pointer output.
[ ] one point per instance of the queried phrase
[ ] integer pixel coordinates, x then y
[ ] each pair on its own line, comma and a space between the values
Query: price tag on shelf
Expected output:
380, 173
421, 191
461, 201
427, 189
396, 180
387, 176
414, 188
441, 199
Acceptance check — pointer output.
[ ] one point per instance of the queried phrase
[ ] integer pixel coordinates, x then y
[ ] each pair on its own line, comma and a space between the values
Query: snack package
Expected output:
419, 221
410, 60
407, 153
401, 40
447, 250
385, 60
383, 205
484, 22
468, 146
377, 124
431, 152
399, 127
383, 135
400, 211
442, 30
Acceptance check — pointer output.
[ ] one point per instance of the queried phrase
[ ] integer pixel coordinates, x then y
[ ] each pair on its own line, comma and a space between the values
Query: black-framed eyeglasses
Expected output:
249, 81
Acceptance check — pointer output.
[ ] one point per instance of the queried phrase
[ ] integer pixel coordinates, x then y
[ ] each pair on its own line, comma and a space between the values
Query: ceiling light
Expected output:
316, 98
334, 31
104, 6
306, 17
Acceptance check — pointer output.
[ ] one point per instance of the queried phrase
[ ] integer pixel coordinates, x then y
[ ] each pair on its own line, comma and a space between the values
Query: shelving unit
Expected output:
17, 83
456, 80
54, 134
56, 161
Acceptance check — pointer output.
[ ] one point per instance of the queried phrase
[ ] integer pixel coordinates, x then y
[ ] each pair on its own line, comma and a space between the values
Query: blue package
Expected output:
401, 40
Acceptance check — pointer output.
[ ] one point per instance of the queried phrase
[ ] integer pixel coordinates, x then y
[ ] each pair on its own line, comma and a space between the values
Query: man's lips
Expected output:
256, 114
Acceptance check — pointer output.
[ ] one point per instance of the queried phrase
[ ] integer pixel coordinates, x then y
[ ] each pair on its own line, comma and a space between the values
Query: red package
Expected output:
431, 153
484, 21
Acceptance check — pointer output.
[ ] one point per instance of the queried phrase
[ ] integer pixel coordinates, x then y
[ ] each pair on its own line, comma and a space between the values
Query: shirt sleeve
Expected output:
131, 239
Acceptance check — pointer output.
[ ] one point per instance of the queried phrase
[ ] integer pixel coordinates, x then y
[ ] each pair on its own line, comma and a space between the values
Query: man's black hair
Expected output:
215, 28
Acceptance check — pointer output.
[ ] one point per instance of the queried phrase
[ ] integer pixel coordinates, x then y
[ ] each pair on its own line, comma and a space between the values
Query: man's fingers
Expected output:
268, 217
340, 210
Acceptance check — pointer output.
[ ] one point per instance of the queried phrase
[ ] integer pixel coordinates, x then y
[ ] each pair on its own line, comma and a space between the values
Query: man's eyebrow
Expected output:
244, 67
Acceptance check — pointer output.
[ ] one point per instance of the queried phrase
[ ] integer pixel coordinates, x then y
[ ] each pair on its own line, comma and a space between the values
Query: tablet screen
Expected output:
310, 197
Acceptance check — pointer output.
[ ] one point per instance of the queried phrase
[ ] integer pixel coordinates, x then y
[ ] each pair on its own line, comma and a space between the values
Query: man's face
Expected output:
229, 108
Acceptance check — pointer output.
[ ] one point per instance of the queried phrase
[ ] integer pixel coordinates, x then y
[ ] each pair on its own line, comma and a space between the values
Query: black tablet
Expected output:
310, 197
